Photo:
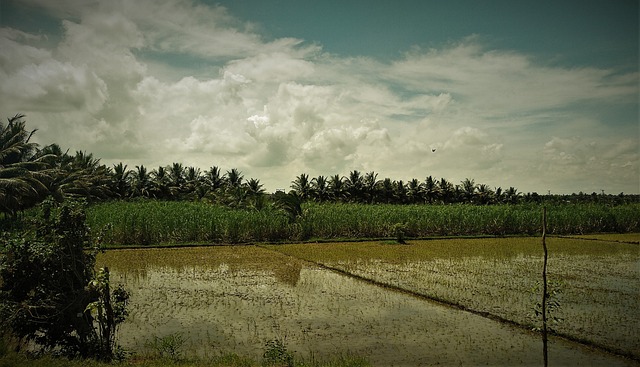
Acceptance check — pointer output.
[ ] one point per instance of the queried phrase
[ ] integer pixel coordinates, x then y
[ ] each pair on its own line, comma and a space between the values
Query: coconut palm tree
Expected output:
468, 190
320, 188
193, 187
142, 185
255, 194
498, 196
484, 194
354, 184
235, 194
445, 191
121, 180
430, 189
400, 192
80, 176
371, 186
511, 196
176, 178
387, 191
336, 188
302, 186
161, 184
414, 191
214, 179
233, 178
23, 172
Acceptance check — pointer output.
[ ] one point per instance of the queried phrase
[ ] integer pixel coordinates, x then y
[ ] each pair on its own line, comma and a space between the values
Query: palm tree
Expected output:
193, 183
400, 192
302, 186
484, 194
290, 204
23, 173
161, 184
213, 178
255, 193
414, 191
498, 196
445, 191
320, 188
468, 190
355, 186
142, 184
430, 189
234, 194
336, 187
121, 185
371, 186
80, 176
511, 196
387, 191
176, 177
233, 178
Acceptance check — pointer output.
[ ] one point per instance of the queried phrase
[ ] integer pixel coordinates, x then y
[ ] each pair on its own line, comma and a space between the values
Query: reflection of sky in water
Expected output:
224, 308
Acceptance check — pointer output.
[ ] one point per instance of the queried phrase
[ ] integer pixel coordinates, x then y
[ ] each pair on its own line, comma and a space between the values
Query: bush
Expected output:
50, 296
276, 354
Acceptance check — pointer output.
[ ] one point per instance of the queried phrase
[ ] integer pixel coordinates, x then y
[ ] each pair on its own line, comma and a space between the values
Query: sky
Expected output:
539, 95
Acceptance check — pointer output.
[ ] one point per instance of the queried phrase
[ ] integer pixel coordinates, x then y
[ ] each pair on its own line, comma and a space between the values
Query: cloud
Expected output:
176, 80
499, 83
596, 163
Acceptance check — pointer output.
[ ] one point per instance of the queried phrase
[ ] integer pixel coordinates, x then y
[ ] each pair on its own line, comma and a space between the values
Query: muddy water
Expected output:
599, 296
221, 303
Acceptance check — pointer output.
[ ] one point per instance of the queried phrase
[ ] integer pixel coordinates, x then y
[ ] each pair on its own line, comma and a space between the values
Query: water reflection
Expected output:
235, 302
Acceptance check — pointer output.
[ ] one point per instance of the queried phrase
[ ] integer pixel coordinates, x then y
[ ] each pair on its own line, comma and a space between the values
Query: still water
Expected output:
235, 299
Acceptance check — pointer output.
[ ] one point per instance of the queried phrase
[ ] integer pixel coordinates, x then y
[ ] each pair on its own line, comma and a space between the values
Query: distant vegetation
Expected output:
153, 222
29, 174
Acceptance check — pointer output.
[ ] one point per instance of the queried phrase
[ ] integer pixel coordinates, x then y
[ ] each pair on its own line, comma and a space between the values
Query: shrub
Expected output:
276, 354
48, 287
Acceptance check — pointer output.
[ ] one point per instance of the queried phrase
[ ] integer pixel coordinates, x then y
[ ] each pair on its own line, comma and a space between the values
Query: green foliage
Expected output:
553, 307
109, 310
157, 222
399, 230
276, 354
168, 347
290, 203
47, 286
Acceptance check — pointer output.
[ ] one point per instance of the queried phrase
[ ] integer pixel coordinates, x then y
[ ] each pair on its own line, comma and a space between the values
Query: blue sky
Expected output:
582, 32
539, 95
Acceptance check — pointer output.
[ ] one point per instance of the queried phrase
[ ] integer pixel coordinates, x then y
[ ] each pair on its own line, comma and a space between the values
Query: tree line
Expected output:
29, 174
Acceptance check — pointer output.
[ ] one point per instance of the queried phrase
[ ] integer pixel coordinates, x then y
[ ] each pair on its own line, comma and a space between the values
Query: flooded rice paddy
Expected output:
234, 299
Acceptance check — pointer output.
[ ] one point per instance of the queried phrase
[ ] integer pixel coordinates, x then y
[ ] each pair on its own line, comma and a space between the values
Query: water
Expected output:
226, 299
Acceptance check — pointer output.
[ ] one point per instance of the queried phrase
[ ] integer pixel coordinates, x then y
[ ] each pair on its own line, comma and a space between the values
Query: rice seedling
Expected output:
494, 276
232, 299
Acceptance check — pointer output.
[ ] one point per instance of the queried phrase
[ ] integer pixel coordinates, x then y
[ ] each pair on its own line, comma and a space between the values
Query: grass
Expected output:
142, 223
227, 360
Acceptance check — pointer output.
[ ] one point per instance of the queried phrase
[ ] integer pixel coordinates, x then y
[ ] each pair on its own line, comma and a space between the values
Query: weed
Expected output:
276, 354
168, 346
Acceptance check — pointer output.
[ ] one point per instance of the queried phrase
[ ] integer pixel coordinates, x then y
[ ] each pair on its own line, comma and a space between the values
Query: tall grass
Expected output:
158, 222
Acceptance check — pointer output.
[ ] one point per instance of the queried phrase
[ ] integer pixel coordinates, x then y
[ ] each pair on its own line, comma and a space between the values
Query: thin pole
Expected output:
544, 288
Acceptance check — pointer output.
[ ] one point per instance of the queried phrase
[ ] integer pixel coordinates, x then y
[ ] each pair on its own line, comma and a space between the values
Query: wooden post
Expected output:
107, 330
544, 288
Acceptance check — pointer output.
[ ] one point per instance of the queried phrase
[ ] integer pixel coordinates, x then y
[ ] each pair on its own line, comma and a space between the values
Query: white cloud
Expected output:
499, 83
